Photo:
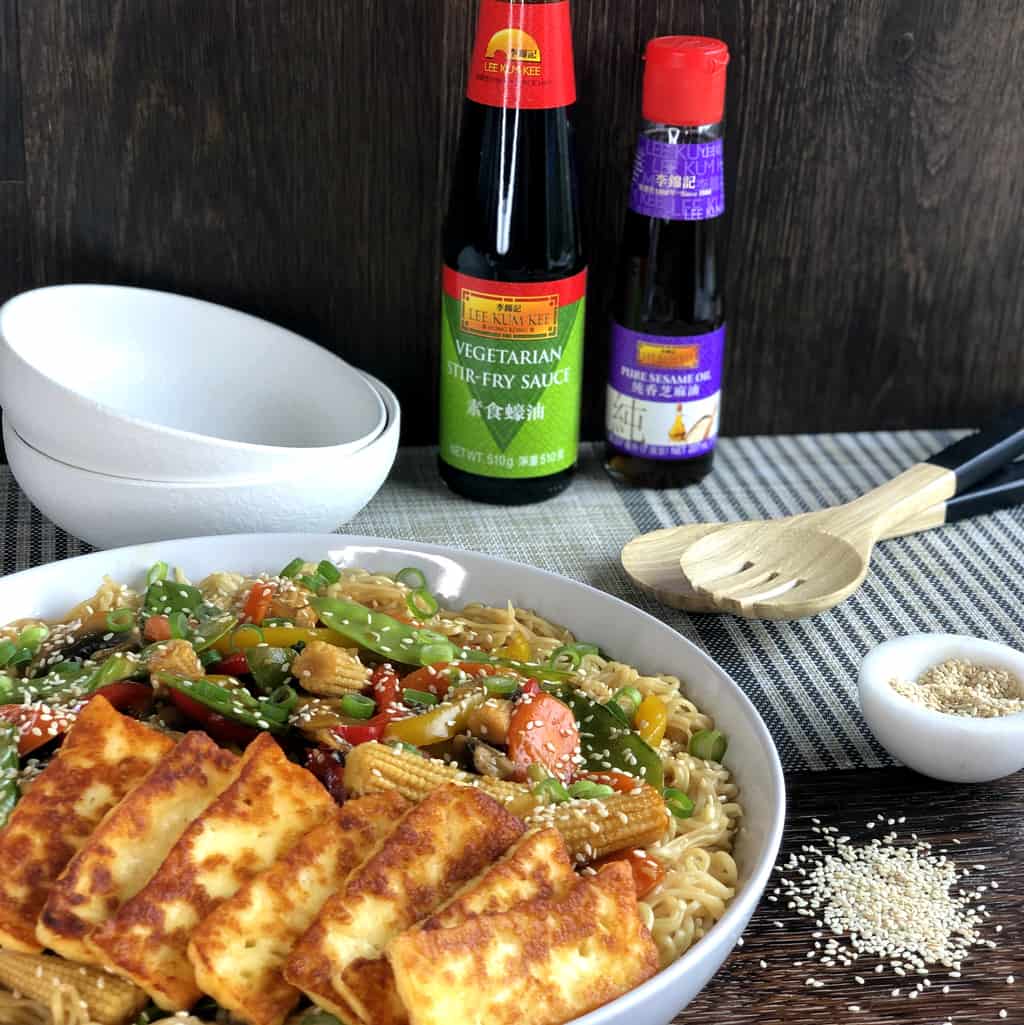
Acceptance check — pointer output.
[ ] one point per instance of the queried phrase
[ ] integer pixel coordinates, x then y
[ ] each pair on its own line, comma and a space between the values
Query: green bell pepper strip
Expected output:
238, 705
270, 667
605, 743
9, 793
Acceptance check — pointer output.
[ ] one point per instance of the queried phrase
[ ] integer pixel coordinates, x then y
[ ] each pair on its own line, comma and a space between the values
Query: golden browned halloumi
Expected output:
130, 844
267, 807
445, 840
103, 756
537, 867
559, 958
239, 951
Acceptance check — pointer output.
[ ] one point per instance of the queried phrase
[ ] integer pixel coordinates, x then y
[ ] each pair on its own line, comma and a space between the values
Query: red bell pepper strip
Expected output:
232, 665
157, 628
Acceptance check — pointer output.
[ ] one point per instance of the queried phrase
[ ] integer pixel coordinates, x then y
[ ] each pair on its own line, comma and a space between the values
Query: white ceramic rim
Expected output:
299, 452
871, 679
300, 473
746, 900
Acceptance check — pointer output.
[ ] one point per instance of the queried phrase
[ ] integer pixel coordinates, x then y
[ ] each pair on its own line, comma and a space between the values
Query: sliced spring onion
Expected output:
421, 603
328, 571
678, 802
411, 577
709, 745
585, 789
551, 791
293, 569
422, 698
158, 571
569, 656
120, 620
358, 706
178, 623
628, 699
501, 686
33, 636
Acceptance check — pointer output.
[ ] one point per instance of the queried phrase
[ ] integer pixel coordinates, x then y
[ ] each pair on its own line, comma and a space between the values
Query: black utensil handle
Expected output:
1001, 491
979, 455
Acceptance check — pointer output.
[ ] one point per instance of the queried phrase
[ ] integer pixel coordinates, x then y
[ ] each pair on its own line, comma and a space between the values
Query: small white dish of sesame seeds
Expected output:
958, 745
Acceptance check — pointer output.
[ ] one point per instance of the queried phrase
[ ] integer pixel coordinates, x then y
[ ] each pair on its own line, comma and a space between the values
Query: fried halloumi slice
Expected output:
269, 805
445, 840
130, 844
104, 755
560, 958
239, 951
535, 868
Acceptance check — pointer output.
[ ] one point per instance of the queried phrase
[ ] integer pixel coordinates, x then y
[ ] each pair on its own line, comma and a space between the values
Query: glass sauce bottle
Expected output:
514, 264
668, 329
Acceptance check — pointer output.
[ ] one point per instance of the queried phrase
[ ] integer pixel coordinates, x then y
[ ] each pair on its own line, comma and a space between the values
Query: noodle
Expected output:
700, 872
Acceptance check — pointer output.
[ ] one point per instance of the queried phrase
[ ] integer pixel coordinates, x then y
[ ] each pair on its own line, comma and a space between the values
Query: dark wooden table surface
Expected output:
987, 819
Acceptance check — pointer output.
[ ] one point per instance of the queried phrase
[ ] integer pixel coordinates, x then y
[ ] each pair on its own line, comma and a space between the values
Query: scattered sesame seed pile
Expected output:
963, 688
904, 906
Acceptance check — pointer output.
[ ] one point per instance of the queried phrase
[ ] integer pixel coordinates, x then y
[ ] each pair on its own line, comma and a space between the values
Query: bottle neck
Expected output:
681, 134
523, 58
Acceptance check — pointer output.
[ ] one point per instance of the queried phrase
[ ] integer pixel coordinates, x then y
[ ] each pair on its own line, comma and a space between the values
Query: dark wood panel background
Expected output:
290, 157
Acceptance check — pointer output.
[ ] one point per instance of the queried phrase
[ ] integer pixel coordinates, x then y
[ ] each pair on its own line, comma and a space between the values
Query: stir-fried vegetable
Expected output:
439, 724
269, 666
586, 789
167, 596
257, 604
9, 737
647, 872
570, 656
607, 744
236, 703
248, 636
652, 719
709, 745
551, 791
358, 706
211, 630
543, 731
120, 620
679, 803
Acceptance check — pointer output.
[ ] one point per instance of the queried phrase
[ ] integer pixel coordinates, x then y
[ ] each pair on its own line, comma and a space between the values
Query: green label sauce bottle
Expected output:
668, 322
514, 277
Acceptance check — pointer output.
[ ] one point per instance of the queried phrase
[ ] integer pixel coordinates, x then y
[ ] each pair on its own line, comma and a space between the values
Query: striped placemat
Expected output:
966, 578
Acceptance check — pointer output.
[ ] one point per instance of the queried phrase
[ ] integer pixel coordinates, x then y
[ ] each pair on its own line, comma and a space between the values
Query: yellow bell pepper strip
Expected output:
276, 637
517, 647
439, 724
652, 719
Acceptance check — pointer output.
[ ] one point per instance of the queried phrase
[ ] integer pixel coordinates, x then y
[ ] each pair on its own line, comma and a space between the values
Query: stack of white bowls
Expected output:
132, 415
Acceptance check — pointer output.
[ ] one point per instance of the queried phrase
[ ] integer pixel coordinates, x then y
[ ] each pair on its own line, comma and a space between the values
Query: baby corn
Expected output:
599, 826
374, 767
109, 1000
329, 670
591, 828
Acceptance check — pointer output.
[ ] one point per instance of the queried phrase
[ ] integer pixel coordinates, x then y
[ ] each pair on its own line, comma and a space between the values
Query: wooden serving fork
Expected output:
801, 565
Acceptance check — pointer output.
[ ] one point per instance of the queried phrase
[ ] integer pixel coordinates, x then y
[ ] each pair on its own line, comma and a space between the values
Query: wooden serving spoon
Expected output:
787, 569
652, 560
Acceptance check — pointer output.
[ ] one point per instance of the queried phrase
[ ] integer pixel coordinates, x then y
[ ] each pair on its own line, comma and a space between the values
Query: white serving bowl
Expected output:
459, 577
136, 383
109, 511
955, 748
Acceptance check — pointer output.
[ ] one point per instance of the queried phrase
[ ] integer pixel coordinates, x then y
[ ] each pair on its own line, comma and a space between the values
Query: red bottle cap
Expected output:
684, 81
